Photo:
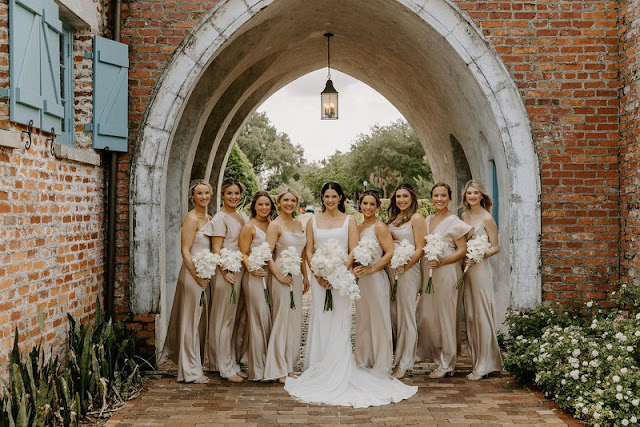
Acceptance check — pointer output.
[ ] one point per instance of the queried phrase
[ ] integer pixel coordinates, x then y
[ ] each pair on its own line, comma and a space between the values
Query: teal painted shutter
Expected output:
25, 25
34, 64
110, 94
52, 109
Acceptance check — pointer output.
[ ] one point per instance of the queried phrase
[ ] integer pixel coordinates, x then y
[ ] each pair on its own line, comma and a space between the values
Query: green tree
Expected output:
276, 160
239, 167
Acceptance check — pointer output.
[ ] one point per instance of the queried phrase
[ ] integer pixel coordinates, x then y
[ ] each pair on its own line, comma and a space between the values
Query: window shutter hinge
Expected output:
88, 127
4, 93
88, 55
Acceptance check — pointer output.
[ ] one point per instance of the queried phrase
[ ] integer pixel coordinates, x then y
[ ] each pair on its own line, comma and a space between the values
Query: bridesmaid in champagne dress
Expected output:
478, 285
258, 324
224, 230
374, 339
405, 223
439, 311
283, 351
186, 333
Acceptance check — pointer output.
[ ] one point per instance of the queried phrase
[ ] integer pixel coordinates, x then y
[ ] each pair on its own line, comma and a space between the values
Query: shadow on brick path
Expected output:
495, 401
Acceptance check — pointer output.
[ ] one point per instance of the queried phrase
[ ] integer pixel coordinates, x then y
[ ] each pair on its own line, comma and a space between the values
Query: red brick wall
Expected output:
563, 56
51, 221
630, 142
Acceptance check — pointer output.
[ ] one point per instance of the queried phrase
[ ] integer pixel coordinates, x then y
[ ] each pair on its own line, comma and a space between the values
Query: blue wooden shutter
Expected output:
25, 25
34, 64
52, 109
110, 94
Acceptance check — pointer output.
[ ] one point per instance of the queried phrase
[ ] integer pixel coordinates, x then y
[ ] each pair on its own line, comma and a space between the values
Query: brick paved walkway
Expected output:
495, 401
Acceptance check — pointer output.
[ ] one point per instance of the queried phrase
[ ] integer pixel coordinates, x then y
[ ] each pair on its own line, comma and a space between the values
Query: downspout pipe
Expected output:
112, 188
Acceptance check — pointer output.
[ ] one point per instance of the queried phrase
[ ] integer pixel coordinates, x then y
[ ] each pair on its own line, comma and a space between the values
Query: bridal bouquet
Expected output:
205, 263
231, 261
477, 248
401, 255
328, 263
258, 259
289, 264
433, 250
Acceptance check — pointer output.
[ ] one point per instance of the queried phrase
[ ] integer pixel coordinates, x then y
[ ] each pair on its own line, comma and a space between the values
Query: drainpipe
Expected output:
112, 199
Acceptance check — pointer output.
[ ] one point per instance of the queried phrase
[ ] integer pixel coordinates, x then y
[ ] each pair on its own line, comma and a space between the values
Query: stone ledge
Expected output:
80, 155
79, 13
11, 139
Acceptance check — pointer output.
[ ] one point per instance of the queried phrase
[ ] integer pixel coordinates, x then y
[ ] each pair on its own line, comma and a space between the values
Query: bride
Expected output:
331, 376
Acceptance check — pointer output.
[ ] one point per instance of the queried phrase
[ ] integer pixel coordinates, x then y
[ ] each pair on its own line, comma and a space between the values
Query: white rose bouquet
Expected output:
433, 250
205, 263
231, 261
289, 264
401, 255
477, 248
364, 252
258, 259
328, 263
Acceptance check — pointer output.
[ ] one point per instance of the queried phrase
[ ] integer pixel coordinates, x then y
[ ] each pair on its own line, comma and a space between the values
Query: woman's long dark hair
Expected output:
393, 211
338, 189
256, 196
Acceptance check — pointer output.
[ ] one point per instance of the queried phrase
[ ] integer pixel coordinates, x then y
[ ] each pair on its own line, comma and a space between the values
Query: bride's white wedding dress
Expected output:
331, 376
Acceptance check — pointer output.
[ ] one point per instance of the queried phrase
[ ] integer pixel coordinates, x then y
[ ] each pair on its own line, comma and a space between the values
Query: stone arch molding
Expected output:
510, 147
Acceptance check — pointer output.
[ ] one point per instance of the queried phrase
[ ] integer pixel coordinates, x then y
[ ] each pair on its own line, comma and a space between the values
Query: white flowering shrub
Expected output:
586, 360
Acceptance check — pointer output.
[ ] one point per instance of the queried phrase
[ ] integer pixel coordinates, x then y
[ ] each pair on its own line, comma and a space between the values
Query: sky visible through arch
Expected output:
295, 110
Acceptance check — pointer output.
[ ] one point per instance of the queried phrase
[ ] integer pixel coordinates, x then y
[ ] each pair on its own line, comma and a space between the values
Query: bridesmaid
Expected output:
478, 287
373, 316
405, 223
439, 311
186, 333
224, 230
258, 315
283, 351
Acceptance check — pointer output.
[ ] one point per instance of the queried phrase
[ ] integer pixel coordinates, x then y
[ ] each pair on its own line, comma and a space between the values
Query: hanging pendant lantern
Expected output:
329, 96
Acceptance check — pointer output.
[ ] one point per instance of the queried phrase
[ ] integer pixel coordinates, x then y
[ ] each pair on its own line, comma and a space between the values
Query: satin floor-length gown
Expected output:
283, 352
187, 331
374, 339
221, 345
403, 309
258, 325
439, 311
332, 376
478, 297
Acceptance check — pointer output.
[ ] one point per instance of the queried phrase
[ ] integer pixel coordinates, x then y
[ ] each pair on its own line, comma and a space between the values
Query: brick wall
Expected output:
51, 219
630, 142
563, 56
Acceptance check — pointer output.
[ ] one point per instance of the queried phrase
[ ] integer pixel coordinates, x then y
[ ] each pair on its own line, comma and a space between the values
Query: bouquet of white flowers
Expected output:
258, 259
231, 261
433, 250
328, 262
205, 263
401, 255
364, 252
477, 248
289, 265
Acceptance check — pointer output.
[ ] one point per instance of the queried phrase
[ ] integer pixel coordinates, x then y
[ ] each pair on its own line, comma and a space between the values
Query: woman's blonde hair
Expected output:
193, 184
486, 201
288, 190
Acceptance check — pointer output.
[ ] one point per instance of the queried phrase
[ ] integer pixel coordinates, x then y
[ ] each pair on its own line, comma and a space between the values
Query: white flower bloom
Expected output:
618, 387
637, 333
576, 352
575, 374
609, 358
634, 420
629, 348
609, 346
638, 316
619, 396
615, 379
590, 304
624, 370
596, 415
595, 353
635, 402
625, 422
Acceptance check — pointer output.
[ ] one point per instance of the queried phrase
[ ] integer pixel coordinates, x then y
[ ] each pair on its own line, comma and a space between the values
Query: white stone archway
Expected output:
425, 56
